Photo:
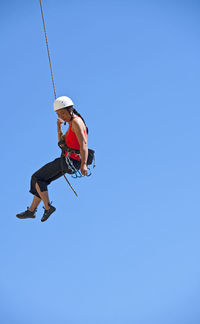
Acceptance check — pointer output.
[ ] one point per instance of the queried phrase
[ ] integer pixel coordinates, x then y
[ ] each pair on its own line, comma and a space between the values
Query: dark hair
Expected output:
79, 115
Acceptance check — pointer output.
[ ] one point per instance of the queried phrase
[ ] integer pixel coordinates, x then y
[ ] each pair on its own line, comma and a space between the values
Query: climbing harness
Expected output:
66, 149
54, 89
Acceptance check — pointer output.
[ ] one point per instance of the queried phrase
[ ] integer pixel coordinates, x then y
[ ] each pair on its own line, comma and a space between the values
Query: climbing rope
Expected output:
54, 89
45, 32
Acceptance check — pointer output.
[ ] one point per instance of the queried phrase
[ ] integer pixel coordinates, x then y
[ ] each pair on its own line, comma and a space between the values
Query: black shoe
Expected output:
27, 214
47, 213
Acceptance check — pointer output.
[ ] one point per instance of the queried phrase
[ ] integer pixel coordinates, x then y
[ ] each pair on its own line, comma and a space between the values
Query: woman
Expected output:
75, 138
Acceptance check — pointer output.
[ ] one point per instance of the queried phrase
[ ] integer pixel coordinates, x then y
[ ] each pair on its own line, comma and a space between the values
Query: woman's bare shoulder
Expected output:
77, 123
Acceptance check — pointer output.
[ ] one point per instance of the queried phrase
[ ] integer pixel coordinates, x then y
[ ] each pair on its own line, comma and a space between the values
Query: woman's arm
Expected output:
78, 128
59, 130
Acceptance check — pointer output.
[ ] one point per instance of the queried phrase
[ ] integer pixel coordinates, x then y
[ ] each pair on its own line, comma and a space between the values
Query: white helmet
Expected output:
62, 102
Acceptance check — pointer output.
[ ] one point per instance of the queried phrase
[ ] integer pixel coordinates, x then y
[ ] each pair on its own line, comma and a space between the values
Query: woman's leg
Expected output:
45, 175
42, 178
39, 182
35, 203
44, 196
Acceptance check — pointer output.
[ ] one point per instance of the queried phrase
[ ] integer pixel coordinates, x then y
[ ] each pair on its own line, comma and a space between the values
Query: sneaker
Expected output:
47, 213
27, 214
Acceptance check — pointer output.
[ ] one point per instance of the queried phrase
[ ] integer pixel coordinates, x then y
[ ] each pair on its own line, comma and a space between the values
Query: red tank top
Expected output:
72, 141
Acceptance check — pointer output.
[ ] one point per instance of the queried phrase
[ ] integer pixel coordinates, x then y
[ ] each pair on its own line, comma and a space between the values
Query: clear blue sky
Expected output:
127, 250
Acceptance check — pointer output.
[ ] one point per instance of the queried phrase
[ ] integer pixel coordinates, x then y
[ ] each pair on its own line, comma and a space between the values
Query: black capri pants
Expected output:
50, 172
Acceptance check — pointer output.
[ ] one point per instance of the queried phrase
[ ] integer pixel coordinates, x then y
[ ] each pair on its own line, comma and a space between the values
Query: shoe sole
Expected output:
21, 217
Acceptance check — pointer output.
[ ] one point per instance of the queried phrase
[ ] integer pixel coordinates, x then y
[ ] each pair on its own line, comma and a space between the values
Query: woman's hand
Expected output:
84, 169
59, 124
